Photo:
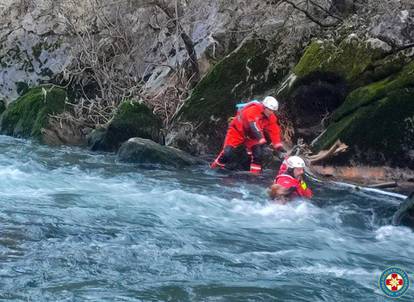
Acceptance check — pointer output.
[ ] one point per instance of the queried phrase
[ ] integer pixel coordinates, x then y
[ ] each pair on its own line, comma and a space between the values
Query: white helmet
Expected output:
295, 162
271, 103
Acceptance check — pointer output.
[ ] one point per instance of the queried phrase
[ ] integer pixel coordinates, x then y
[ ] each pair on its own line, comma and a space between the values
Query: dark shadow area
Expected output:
313, 99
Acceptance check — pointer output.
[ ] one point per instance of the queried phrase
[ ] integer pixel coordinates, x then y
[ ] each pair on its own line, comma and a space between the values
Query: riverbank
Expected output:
391, 179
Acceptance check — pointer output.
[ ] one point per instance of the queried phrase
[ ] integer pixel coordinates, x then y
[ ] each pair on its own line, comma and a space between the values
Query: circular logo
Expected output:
394, 282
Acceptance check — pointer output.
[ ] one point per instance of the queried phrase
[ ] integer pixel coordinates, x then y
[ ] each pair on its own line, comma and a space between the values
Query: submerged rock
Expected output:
145, 151
132, 119
29, 114
405, 213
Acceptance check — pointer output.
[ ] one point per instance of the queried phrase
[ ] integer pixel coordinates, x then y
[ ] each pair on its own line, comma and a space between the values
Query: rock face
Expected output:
132, 119
237, 78
31, 46
29, 114
2, 106
356, 71
144, 151
377, 121
405, 213
357, 87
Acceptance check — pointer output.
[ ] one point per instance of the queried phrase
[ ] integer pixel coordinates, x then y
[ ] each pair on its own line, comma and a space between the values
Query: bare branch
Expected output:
311, 17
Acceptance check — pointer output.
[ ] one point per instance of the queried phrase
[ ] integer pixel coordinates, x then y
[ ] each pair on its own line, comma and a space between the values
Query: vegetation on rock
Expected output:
29, 114
132, 119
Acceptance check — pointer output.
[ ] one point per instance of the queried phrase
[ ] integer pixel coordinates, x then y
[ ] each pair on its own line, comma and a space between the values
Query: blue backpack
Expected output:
240, 106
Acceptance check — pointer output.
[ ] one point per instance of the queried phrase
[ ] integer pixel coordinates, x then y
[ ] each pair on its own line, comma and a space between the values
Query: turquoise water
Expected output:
79, 226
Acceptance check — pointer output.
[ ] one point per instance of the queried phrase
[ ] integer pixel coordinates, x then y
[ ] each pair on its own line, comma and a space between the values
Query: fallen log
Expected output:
384, 185
336, 148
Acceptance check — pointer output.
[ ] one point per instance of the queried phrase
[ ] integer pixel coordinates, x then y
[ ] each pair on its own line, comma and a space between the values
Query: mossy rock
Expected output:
238, 77
96, 139
222, 88
349, 59
29, 114
381, 132
375, 91
144, 151
405, 213
327, 72
132, 119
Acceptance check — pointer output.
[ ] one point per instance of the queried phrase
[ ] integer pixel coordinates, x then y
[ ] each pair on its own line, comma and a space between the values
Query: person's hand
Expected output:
262, 141
280, 149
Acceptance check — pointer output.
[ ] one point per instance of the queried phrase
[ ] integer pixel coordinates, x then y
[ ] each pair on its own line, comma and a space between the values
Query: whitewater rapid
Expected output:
81, 226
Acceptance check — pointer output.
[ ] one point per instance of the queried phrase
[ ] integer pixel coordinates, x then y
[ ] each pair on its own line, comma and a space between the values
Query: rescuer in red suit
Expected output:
249, 127
289, 181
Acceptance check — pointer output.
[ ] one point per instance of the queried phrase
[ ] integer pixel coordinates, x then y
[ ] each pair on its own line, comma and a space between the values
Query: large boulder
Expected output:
348, 58
377, 121
30, 113
145, 151
132, 119
405, 213
239, 76
329, 70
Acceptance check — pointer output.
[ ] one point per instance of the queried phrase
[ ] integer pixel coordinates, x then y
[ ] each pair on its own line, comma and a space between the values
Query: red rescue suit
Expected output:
248, 127
298, 187
284, 179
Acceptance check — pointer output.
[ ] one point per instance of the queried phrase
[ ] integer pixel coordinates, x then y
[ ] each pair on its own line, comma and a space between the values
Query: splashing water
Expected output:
79, 226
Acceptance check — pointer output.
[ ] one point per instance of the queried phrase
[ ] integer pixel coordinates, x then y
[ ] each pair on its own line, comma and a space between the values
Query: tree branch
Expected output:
309, 16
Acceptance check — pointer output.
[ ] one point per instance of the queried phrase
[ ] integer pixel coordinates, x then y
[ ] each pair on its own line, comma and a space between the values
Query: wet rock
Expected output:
348, 58
132, 119
238, 77
145, 151
2, 106
96, 139
376, 121
405, 213
63, 132
29, 114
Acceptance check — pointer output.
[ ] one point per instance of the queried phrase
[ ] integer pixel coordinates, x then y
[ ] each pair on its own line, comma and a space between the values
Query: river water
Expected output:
80, 226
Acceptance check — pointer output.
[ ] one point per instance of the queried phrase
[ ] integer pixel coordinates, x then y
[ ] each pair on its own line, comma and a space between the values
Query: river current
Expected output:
81, 226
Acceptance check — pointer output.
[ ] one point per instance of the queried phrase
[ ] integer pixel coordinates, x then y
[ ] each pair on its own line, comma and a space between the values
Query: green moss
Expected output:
132, 119
349, 59
385, 67
234, 78
26, 116
378, 128
370, 93
314, 57
334, 132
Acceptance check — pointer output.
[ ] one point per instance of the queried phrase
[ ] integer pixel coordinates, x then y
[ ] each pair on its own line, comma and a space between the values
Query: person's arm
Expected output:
277, 190
252, 116
274, 132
